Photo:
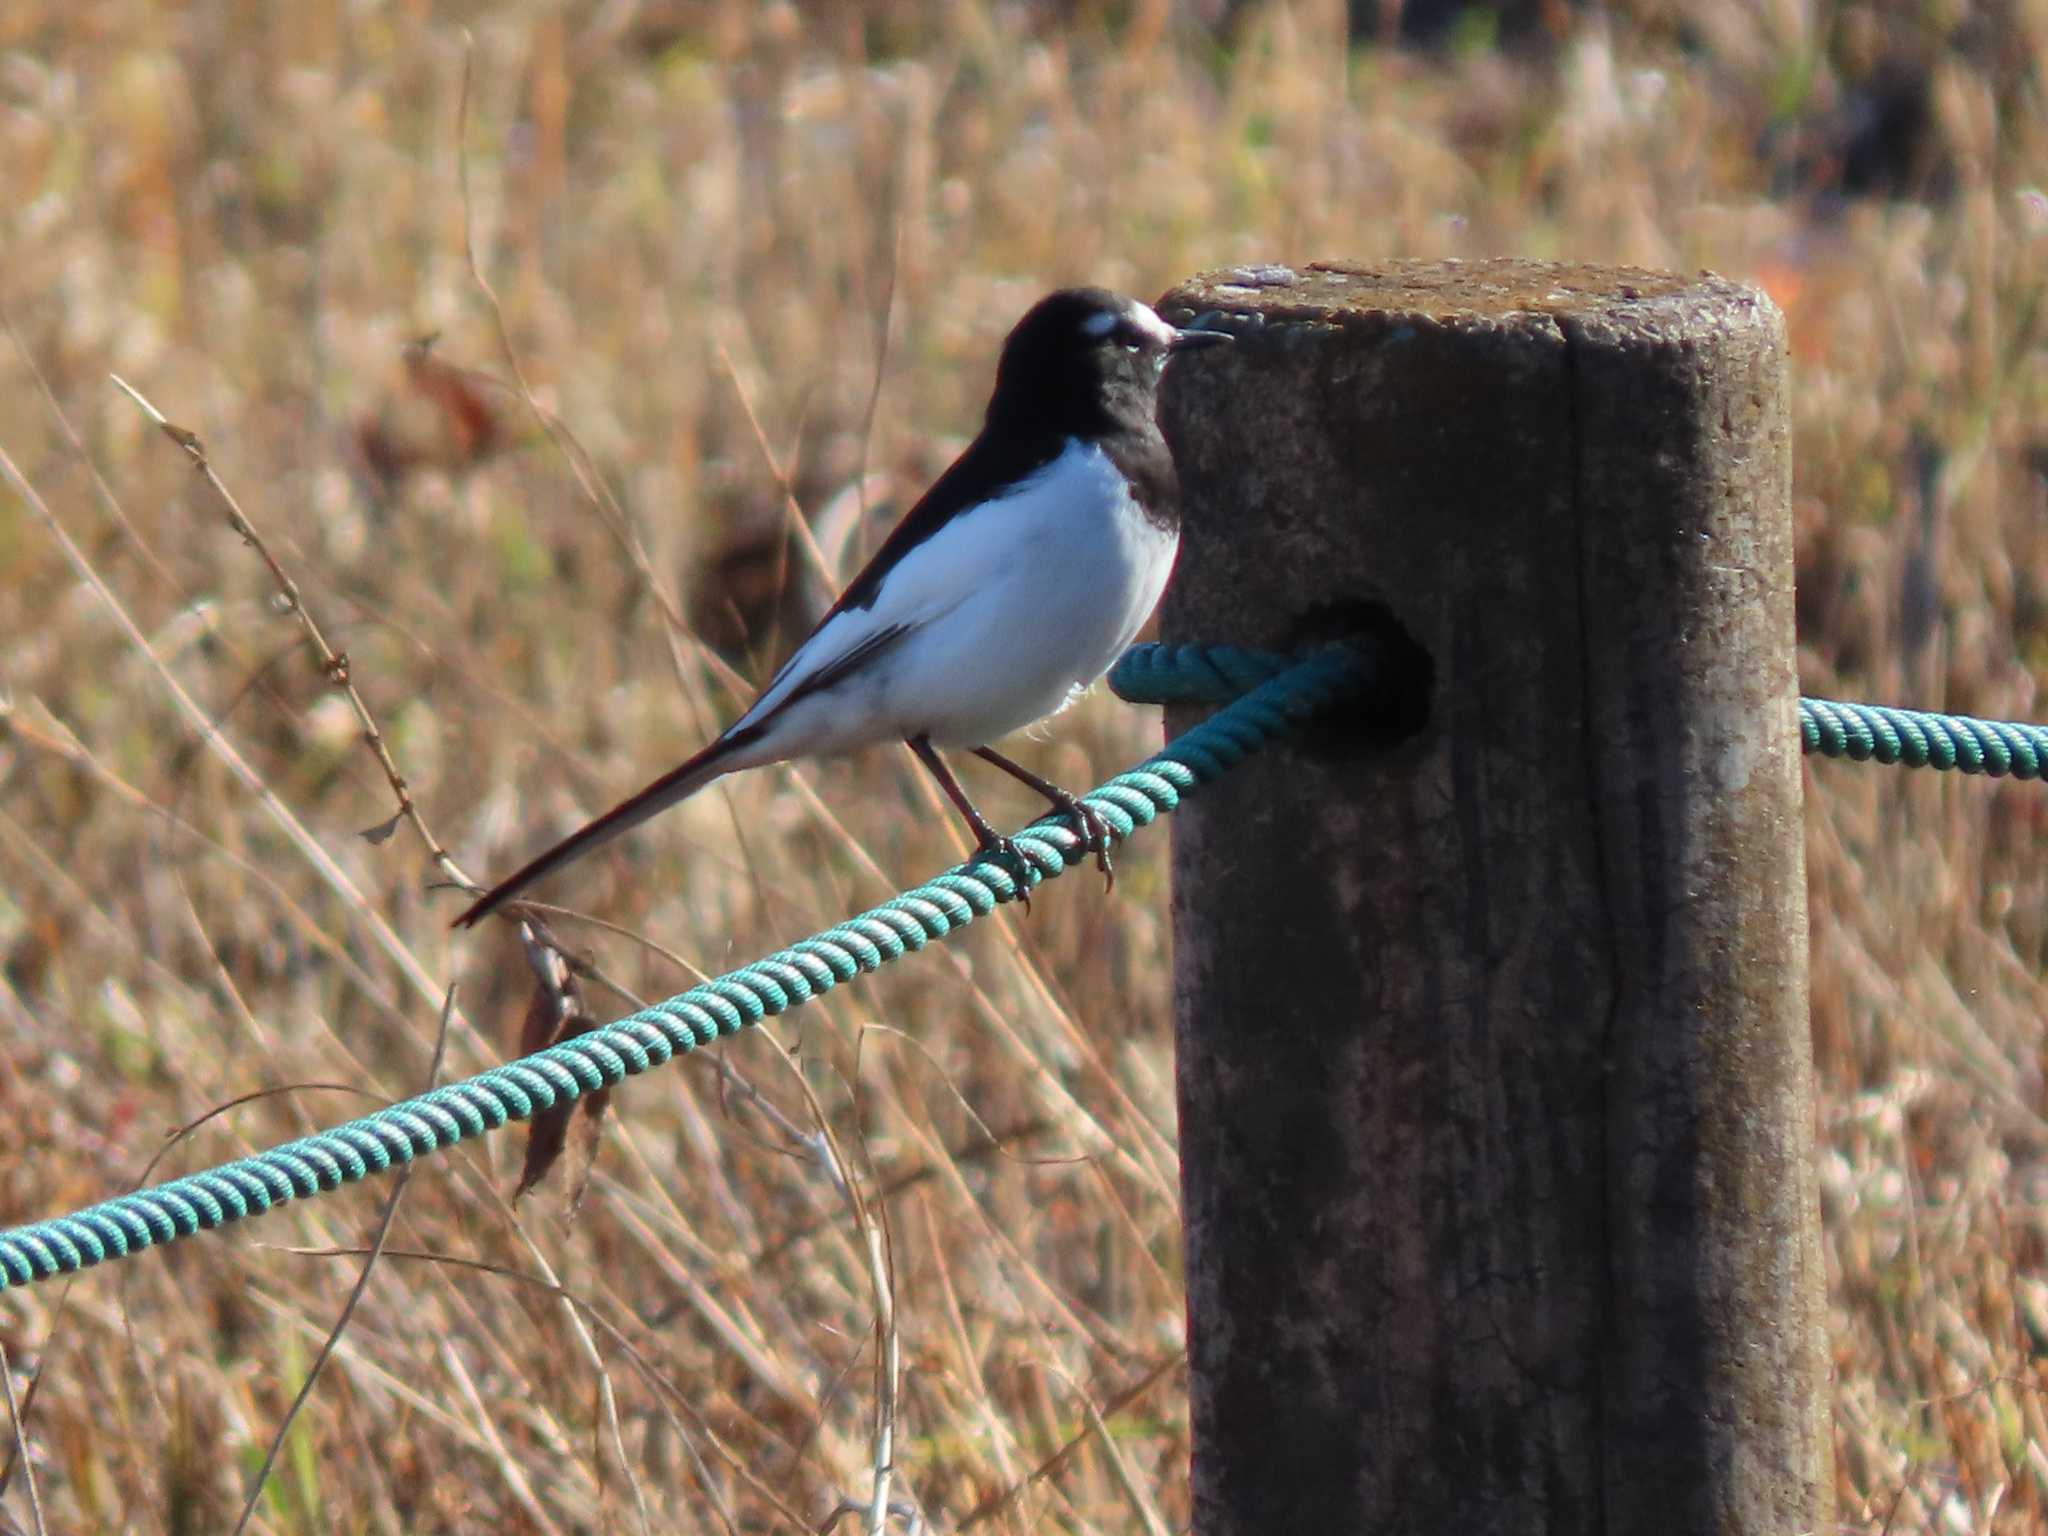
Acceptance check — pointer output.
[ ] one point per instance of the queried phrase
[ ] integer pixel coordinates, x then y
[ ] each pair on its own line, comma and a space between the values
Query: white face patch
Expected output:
1132, 317
1144, 319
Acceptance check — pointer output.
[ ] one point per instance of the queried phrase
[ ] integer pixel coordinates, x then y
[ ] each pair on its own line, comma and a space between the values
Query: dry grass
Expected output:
704, 217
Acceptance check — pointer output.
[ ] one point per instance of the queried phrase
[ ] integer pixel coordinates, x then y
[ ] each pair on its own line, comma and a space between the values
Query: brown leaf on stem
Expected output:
555, 1013
381, 833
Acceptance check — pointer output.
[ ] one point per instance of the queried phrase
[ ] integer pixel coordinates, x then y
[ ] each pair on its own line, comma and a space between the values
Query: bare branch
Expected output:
334, 665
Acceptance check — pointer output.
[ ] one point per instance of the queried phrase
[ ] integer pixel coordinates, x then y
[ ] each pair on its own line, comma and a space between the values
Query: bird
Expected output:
1004, 592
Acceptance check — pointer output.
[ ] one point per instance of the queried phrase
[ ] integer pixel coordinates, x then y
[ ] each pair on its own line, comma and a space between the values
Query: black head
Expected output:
1084, 360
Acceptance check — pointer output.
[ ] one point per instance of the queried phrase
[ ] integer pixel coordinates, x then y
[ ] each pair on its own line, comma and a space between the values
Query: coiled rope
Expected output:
1266, 697
1916, 738
1273, 695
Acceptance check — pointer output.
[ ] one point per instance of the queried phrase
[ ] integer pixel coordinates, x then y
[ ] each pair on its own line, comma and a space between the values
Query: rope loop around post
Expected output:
1265, 697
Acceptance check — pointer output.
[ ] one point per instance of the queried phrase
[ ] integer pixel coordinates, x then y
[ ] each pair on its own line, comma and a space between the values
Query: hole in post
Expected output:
1396, 705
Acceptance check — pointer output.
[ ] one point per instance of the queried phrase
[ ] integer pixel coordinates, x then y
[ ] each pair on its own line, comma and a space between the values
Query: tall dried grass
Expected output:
747, 255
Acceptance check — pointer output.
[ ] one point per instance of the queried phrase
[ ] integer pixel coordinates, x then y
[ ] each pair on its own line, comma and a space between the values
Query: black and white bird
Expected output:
1009, 588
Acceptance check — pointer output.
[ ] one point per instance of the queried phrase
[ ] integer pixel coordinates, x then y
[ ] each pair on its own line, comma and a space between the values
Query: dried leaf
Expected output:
545, 1135
586, 1132
554, 1013
543, 1018
380, 834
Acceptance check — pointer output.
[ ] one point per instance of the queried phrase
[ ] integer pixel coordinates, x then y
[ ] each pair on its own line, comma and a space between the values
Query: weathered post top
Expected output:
1493, 1064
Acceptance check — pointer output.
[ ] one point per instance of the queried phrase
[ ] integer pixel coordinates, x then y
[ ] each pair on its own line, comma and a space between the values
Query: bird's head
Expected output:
1087, 349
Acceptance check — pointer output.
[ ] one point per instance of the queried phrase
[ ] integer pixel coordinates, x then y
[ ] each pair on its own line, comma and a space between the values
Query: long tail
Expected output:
713, 762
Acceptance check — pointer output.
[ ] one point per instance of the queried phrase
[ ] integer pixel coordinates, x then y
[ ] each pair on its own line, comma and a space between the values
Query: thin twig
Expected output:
638, 1358
799, 525
536, 912
911, 1515
253, 1096
334, 665
997, 1503
1119, 1466
872, 1224
508, 1464
889, 1352
28, 1471
867, 420
355, 1295
54, 1339
792, 1233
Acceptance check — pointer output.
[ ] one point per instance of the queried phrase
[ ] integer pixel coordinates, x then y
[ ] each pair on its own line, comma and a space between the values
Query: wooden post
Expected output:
1495, 1100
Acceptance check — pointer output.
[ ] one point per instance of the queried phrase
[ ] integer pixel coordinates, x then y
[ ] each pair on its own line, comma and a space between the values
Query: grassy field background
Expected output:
748, 257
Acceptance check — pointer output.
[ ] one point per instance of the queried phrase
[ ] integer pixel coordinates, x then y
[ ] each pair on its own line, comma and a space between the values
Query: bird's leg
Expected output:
1093, 829
987, 838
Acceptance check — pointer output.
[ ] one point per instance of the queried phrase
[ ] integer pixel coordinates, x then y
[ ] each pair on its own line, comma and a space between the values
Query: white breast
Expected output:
1014, 608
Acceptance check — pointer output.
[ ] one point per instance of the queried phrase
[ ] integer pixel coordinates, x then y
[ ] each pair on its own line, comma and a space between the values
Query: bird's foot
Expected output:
1091, 829
1093, 832
998, 849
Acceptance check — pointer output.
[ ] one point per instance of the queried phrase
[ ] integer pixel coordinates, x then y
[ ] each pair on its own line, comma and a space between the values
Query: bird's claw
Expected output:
998, 849
1095, 838
1089, 827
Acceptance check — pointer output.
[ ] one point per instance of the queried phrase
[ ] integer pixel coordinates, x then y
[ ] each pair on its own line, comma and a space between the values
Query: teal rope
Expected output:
1277, 695
1918, 739
1876, 733
1266, 697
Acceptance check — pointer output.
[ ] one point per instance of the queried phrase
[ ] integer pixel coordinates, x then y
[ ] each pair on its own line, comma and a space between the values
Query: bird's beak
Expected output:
1189, 341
